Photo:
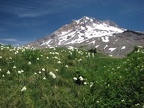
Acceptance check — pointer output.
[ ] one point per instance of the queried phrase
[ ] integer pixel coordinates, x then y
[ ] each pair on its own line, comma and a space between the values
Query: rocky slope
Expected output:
89, 33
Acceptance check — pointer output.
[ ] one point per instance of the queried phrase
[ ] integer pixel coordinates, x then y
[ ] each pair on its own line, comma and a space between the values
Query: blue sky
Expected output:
23, 21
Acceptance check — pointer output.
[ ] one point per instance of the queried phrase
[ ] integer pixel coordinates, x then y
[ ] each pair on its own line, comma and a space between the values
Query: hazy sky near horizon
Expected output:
23, 21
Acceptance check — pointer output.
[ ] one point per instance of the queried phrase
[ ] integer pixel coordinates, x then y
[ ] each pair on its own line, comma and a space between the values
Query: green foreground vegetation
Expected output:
67, 78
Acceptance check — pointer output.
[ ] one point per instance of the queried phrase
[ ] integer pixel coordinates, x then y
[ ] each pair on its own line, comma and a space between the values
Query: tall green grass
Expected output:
64, 78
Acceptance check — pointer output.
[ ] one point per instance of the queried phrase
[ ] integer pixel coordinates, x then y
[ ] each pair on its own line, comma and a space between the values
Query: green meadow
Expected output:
70, 78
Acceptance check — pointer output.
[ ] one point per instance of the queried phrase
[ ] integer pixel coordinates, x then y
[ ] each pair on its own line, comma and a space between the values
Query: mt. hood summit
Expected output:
89, 33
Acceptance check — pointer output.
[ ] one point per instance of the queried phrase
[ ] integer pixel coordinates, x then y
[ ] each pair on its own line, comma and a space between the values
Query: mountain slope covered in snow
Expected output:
89, 33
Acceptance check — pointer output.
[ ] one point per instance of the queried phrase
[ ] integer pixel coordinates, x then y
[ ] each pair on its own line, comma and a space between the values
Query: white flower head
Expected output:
122, 100
97, 101
39, 72
29, 63
52, 75
56, 70
81, 78
23, 89
0, 69
89, 54
10, 57
80, 60
56, 57
43, 69
91, 84
137, 104
22, 70
8, 72
44, 78
85, 83
14, 67
37, 59
59, 62
0, 57
118, 67
66, 66
75, 78
16, 52
19, 72
3, 75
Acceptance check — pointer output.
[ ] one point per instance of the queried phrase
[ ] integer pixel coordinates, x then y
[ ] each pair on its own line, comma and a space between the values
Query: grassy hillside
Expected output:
66, 78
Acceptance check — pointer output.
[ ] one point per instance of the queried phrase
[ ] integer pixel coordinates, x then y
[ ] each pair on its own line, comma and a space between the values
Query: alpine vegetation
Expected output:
70, 78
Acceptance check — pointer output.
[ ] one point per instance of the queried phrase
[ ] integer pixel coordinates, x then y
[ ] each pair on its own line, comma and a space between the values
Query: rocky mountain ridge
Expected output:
89, 33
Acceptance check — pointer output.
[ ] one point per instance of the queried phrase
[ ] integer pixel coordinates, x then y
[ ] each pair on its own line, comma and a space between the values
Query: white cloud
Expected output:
14, 42
40, 8
9, 40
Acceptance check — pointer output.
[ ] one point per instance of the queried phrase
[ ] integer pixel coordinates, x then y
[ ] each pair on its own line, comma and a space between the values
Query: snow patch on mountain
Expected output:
124, 47
112, 49
105, 39
105, 46
82, 30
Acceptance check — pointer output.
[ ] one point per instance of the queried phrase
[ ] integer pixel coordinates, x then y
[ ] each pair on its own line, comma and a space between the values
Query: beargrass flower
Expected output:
56, 70
81, 78
66, 66
39, 72
56, 53
137, 104
122, 100
89, 54
11, 50
75, 78
19, 72
29, 63
56, 57
0, 57
44, 78
52, 75
16, 52
14, 67
10, 57
85, 83
8, 72
80, 60
0, 69
3, 75
97, 101
37, 59
23, 89
43, 69
91, 84
22, 70
59, 62
118, 67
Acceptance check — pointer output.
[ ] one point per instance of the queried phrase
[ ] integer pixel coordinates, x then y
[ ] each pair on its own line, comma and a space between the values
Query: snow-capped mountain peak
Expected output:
83, 29
103, 35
